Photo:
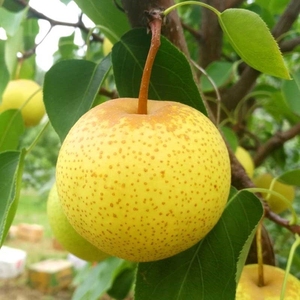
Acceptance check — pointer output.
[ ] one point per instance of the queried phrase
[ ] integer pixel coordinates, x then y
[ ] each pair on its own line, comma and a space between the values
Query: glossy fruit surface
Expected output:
245, 160
248, 288
143, 187
276, 204
26, 95
65, 233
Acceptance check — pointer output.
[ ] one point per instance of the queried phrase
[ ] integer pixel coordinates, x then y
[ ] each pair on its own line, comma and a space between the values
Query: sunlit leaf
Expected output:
11, 128
171, 77
70, 88
253, 41
209, 270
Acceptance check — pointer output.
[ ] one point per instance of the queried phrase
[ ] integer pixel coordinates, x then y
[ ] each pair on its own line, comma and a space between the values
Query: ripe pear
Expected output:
143, 187
21, 91
107, 46
66, 234
276, 204
245, 160
248, 288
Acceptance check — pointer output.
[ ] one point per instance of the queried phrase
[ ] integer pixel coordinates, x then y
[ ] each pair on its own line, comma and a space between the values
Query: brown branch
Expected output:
289, 45
212, 35
172, 29
275, 143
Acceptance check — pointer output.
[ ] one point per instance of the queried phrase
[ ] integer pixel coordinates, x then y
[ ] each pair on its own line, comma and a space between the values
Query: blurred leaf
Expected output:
230, 137
98, 280
210, 269
31, 29
4, 74
106, 13
253, 41
171, 77
221, 72
14, 44
66, 46
65, 1
28, 68
10, 172
10, 21
13, 5
70, 88
291, 177
11, 128
123, 281
291, 93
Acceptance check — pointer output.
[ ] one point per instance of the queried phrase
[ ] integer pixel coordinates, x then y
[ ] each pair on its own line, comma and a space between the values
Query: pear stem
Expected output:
260, 261
155, 28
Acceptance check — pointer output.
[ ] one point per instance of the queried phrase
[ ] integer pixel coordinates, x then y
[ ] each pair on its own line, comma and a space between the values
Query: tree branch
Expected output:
275, 143
211, 33
172, 30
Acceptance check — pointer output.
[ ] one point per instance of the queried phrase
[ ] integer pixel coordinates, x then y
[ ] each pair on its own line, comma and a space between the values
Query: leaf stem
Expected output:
289, 264
155, 28
171, 8
260, 261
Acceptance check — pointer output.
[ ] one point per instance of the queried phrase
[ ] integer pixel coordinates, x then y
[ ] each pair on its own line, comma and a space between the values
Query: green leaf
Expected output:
11, 22
106, 14
123, 281
98, 280
221, 72
13, 5
31, 30
70, 88
253, 41
230, 137
291, 177
10, 171
11, 128
209, 270
4, 74
171, 78
291, 93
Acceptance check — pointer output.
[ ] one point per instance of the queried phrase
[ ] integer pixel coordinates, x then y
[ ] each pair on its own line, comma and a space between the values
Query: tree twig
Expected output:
275, 143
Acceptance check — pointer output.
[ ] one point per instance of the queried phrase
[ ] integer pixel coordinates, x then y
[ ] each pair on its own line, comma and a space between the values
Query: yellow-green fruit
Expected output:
143, 187
248, 288
21, 91
107, 46
245, 160
276, 204
65, 233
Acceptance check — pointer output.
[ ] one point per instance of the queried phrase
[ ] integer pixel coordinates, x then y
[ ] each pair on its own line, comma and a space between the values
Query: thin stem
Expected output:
260, 260
155, 27
169, 9
35, 141
289, 264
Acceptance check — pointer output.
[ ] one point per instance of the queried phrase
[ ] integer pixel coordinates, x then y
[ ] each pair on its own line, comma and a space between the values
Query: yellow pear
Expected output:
26, 95
143, 187
65, 233
245, 160
248, 288
276, 204
107, 46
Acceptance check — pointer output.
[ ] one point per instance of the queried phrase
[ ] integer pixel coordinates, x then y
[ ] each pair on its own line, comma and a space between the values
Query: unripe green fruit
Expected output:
276, 204
245, 160
248, 288
20, 91
66, 234
143, 187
